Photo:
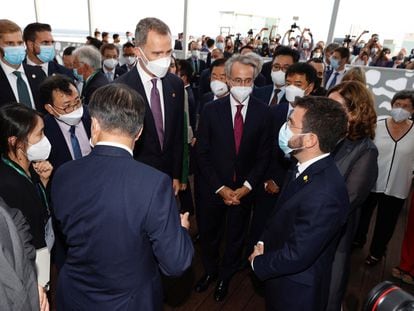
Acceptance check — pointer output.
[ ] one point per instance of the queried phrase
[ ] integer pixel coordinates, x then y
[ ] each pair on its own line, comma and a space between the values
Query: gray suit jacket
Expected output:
18, 281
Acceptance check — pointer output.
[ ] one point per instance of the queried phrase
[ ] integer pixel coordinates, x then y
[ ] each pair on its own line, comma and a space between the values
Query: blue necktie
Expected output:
22, 90
333, 82
75, 143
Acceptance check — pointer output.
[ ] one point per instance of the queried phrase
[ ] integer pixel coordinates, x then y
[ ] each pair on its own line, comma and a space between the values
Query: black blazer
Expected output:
98, 80
18, 192
263, 93
267, 72
55, 68
35, 76
147, 148
60, 151
206, 98
215, 148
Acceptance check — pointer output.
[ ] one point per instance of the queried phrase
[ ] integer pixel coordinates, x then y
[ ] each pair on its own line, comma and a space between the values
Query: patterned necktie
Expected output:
77, 154
333, 82
156, 111
238, 127
273, 102
22, 90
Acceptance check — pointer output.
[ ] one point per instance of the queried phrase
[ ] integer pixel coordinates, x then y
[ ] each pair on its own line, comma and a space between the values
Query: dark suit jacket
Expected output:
60, 151
216, 155
192, 108
206, 98
98, 80
55, 68
300, 239
147, 149
119, 71
121, 229
263, 93
35, 76
267, 72
205, 82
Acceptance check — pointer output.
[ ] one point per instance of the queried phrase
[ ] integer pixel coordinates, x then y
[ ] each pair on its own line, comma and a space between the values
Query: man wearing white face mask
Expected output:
41, 49
233, 151
110, 68
161, 143
130, 59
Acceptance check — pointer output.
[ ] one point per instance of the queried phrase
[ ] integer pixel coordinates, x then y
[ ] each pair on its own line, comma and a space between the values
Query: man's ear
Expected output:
50, 110
310, 140
139, 133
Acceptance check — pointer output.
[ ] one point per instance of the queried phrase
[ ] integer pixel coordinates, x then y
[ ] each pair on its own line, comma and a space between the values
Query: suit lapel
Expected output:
224, 115
6, 88
169, 103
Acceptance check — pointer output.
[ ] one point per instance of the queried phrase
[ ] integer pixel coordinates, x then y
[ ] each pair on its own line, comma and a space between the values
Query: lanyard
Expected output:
23, 173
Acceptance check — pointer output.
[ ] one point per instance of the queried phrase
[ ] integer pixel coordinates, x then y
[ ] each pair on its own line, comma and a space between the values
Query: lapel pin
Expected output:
33, 76
173, 95
305, 178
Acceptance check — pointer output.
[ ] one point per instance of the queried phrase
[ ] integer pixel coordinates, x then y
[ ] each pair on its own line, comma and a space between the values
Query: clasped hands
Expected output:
232, 197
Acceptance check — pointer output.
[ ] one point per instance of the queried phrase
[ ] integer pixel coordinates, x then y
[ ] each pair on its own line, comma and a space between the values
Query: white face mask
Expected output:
195, 53
72, 118
400, 114
130, 60
317, 55
278, 77
110, 63
218, 88
292, 92
158, 67
39, 151
240, 93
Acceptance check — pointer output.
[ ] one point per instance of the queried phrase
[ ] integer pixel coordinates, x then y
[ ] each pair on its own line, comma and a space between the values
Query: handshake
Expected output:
232, 197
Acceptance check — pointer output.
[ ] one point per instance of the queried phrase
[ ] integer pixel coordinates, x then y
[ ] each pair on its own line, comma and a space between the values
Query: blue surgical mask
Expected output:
47, 53
78, 76
220, 45
334, 63
285, 134
14, 55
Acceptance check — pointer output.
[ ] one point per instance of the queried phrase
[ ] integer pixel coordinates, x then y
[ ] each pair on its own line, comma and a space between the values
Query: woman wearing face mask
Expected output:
395, 142
25, 174
356, 159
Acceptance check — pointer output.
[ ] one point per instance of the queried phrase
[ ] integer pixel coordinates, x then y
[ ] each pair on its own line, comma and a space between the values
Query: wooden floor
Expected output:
242, 296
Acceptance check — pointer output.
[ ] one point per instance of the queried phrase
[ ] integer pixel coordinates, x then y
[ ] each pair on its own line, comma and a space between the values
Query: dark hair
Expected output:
115, 36
344, 52
184, 68
315, 60
29, 32
150, 23
118, 108
286, 51
68, 50
16, 120
404, 94
57, 82
128, 45
108, 46
246, 47
104, 34
218, 62
325, 118
210, 42
303, 69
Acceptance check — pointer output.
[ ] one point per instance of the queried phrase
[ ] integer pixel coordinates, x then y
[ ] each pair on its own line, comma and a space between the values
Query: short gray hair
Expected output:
242, 59
89, 55
257, 58
147, 24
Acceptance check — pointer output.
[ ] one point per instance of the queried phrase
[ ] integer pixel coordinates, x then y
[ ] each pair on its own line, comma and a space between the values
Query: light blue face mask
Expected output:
14, 55
78, 76
285, 134
334, 63
47, 53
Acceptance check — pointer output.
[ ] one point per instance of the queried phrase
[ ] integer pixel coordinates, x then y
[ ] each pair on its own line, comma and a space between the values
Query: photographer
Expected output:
305, 45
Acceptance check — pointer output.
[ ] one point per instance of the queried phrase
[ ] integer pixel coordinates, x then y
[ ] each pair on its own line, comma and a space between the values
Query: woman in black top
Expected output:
25, 174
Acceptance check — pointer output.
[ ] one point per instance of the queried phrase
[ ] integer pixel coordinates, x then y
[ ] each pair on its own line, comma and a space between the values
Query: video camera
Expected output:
388, 297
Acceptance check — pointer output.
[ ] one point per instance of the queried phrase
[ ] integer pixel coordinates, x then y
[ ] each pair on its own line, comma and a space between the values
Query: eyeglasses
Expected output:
240, 82
71, 105
277, 67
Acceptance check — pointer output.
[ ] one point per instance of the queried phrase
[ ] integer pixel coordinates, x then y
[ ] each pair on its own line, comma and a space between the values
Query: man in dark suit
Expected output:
41, 49
130, 58
18, 82
294, 256
87, 65
161, 145
233, 151
123, 227
204, 83
110, 61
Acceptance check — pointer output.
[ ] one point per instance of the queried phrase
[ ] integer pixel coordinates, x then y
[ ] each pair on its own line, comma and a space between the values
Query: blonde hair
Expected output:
7, 26
355, 74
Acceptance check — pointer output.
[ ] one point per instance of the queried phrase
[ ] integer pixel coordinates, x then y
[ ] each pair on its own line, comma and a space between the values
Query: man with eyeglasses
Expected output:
233, 150
41, 49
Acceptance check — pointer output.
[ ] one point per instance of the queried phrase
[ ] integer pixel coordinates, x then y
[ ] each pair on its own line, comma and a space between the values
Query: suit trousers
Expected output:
216, 220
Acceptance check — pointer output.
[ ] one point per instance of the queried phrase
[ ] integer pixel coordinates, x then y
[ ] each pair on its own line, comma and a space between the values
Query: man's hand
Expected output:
44, 170
228, 195
44, 304
183, 187
184, 220
240, 193
176, 186
258, 250
271, 187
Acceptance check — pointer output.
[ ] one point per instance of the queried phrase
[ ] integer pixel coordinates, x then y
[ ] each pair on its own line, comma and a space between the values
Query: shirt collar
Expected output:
303, 166
105, 70
114, 144
145, 77
9, 70
235, 103
43, 65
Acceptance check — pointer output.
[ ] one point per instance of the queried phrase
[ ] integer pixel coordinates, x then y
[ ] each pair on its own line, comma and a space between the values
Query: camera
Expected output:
294, 26
347, 39
250, 32
388, 297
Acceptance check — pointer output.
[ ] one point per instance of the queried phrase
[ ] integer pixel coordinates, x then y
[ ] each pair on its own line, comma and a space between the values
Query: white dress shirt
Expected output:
114, 144
12, 78
338, 78
44, 66
81, 135
303, 166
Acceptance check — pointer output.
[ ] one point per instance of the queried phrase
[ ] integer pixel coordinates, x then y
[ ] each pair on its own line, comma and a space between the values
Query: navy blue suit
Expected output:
95, 82
300, 239
119, 71
205, 98
35, 76
148, 149
55, 68
219, 165
264, 93
121, 229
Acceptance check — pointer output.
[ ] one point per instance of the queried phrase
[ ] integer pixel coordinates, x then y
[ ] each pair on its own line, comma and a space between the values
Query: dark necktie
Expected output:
22, 90
195, 65
333, 82
77, 154
156, 111
109, 76
273, 102
238, 127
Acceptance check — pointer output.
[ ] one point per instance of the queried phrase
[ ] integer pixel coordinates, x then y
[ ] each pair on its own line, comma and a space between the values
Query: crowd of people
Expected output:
106, 156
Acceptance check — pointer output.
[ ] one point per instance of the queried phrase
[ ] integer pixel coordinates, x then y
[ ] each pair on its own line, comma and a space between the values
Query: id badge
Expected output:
49, 234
